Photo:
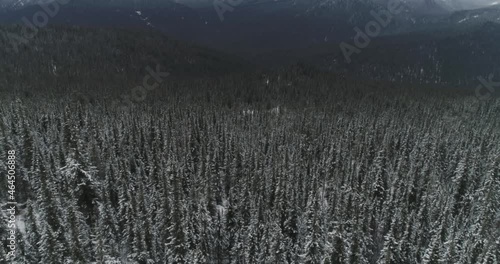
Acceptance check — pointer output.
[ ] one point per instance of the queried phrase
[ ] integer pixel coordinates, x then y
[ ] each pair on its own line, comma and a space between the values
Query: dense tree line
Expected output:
208, 171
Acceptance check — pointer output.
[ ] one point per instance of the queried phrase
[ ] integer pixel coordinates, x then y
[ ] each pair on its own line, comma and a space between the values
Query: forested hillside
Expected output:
445, 57
61, 57
240, 169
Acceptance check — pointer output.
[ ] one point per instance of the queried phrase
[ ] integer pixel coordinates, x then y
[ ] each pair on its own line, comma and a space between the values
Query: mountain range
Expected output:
429, 5
278, 32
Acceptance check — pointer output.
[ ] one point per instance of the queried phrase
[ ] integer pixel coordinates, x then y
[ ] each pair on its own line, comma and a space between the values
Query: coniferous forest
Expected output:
286, 166
355, 179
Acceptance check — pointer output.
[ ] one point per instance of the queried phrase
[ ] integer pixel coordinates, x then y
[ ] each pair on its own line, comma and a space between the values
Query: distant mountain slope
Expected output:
476, 16
455, 21
251, 27
73, 54
20, 4
438, 57
283, 31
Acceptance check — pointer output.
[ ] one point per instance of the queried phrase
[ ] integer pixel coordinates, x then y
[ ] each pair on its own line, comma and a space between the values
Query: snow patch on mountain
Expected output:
144, 18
